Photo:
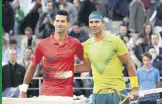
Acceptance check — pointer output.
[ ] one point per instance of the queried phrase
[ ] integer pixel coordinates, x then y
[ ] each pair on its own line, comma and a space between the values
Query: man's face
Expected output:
28, 33
13, 46
76, 29
49, 6
123, 30
12, 55
28, 53
76, 3
96, 25
146, 61
61, 24
154, 39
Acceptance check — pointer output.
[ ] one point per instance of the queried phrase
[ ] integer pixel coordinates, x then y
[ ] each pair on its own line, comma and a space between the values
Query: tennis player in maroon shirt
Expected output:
57, 54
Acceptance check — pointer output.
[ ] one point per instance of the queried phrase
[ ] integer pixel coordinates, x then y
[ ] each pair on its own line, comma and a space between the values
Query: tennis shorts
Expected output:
111, 98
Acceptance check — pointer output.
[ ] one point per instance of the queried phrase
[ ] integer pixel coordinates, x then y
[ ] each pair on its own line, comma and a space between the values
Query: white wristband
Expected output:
23, 87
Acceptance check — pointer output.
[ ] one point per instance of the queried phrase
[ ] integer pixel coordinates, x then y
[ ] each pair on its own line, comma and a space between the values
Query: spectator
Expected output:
143, 41
31, 4
31, 18
77, 4
158, 21
19, 16
155, 44
148, 78
78, 33
85, 9
156, 60
137, 16
123, 33
7, 18
46, 21
153, 6
28, 40
70, 8
140, 48
146, 33
118, 9
28, 52
12, 45
159, 15
12, 73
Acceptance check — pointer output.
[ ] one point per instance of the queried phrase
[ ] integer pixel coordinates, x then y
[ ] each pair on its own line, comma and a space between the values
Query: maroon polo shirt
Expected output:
58, 64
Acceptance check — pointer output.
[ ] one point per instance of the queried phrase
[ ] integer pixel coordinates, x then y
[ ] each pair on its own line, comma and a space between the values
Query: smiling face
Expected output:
96, 26
61, 24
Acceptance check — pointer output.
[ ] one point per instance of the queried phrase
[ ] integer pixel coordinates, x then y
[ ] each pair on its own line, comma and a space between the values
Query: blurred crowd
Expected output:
25, 22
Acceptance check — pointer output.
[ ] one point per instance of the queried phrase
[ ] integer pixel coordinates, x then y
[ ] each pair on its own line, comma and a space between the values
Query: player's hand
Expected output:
134, 93
22, 95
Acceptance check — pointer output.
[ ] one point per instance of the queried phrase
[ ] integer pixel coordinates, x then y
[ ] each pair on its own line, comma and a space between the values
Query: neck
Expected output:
147, 67
27, 59
99, 36
13, 62
59, 38
155, 44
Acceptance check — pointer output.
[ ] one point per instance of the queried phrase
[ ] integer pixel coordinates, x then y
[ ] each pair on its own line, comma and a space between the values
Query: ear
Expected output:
103, 23
54, 23
68, 23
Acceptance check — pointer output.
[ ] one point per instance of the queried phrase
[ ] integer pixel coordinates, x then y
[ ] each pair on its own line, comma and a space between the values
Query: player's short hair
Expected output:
64, 13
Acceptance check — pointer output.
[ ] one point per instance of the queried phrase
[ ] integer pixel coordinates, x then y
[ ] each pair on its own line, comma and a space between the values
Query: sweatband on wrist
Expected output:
74, 68
23, 87
134, 82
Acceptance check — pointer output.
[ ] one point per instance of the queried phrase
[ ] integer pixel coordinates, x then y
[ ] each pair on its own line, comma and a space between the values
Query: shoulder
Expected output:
139, 70
113, 39
44, 41
20, 67
4, 66
73, 40
89, 41
155, 70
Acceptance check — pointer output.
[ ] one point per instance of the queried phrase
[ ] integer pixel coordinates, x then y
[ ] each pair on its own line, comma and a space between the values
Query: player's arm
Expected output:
125, 58
30, 72
86, 65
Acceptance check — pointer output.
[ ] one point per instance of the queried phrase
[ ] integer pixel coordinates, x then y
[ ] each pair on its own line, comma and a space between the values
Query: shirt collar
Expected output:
53, 41
151, 68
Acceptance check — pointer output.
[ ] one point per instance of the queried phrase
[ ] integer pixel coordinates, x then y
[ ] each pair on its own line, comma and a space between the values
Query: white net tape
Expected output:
41, 100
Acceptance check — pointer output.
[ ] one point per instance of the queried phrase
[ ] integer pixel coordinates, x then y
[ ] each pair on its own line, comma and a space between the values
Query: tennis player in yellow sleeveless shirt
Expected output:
105, 55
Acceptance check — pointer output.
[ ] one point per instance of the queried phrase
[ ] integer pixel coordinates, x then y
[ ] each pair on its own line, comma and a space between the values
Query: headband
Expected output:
96, 15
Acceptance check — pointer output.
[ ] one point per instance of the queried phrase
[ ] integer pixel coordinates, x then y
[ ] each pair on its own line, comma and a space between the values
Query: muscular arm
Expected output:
29, 73
85, 67
126, 59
